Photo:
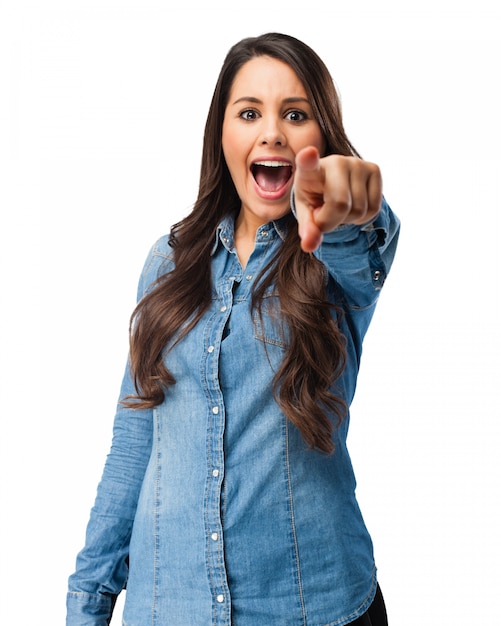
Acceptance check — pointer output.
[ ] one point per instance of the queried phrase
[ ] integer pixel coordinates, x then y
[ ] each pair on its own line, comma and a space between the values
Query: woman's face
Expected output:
268, 119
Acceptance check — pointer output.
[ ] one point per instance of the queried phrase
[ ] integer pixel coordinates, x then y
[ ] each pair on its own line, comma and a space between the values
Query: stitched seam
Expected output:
293, 525
156, 533
355, 614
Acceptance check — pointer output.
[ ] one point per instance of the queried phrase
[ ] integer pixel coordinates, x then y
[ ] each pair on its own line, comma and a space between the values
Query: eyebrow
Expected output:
290, 100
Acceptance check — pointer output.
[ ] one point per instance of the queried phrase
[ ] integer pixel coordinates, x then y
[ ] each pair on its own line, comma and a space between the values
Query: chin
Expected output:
269, 213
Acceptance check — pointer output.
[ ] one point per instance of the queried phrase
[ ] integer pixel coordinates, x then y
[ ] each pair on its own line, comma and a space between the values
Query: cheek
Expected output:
319, 142
312, 138
230, 150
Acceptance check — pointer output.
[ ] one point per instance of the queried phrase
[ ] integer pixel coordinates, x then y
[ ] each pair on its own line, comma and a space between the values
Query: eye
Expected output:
249, 115
296, 116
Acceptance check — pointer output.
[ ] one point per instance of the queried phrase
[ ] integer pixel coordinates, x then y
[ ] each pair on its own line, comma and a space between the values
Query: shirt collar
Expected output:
225, 231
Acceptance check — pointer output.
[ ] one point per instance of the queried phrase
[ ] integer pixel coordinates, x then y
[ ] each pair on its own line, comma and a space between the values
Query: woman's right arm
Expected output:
102, 565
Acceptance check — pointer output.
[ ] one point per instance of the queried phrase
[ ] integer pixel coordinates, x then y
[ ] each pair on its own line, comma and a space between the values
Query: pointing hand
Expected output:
331, 191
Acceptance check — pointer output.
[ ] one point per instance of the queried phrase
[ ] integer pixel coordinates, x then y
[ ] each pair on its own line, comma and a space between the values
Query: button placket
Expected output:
215, 561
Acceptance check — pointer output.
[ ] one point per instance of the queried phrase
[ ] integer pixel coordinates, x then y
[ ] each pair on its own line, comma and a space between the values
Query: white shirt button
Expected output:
215, 410
248, 277
220, 598
210, 349
215, 473
223, 308
214, 536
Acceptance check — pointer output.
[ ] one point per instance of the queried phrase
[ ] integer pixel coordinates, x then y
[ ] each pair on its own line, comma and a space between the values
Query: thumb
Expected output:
307, 167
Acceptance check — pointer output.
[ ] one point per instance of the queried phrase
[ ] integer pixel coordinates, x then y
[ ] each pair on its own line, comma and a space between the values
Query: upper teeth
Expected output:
273, 163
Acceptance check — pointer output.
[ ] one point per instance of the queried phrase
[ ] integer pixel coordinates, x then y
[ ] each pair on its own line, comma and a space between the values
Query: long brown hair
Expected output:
315, 355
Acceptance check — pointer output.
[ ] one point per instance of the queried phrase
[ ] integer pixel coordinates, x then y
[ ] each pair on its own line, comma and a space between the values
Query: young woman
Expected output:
228, 497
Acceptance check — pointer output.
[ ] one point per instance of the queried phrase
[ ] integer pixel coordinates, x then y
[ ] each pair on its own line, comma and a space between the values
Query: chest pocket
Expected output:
269, 327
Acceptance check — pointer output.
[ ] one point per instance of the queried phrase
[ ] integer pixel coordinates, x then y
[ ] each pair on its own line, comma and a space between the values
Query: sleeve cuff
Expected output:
88, 609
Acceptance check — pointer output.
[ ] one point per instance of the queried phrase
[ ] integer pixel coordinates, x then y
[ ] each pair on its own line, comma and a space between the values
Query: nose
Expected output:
272, 135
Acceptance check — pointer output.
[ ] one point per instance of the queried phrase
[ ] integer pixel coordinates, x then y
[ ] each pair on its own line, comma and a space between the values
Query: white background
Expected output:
102, 110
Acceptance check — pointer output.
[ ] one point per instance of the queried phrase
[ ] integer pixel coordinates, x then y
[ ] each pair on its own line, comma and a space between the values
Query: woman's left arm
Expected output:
345, 221
332, 191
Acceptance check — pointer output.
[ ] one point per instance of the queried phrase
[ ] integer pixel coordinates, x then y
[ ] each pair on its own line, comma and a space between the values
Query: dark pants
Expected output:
375, 615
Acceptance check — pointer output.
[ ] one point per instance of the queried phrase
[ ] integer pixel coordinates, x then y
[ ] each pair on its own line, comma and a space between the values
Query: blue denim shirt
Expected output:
211, 509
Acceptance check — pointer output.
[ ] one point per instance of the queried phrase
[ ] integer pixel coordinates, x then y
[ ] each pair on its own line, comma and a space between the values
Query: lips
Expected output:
271, 176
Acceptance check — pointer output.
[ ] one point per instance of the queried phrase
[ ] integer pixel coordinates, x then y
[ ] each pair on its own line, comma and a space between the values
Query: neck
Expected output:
244, 244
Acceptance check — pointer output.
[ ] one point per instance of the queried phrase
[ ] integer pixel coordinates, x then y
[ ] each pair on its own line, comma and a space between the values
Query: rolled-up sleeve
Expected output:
360, 257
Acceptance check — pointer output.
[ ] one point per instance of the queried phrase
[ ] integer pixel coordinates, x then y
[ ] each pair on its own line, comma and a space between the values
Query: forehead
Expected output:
265, 76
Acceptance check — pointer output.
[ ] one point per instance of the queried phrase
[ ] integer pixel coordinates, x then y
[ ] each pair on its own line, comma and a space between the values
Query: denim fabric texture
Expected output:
211, 510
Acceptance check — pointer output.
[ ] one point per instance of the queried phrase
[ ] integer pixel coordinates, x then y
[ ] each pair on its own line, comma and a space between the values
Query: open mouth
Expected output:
271, 175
